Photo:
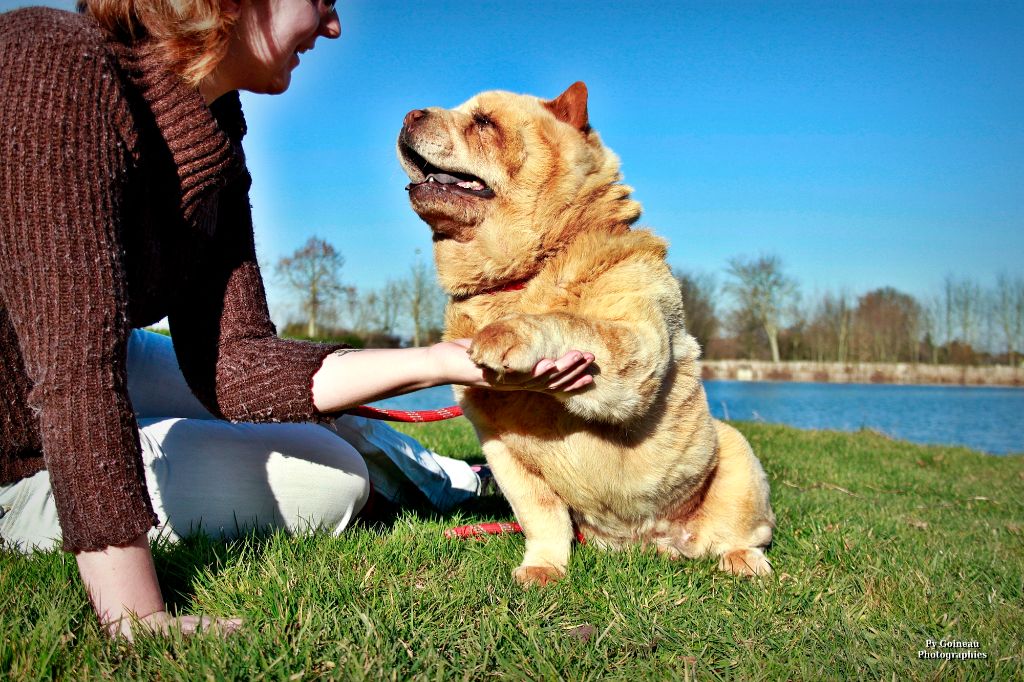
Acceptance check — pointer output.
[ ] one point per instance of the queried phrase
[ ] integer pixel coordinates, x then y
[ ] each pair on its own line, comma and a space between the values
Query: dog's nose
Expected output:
413, 117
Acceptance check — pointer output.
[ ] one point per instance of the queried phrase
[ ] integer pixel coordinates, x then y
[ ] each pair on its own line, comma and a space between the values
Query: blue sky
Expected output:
867, 144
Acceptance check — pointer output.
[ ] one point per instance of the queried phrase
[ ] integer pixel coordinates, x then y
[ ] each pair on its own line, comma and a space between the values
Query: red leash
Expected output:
409, 416
477, 531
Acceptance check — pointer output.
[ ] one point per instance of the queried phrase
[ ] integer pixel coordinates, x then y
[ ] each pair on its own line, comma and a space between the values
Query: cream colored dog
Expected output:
533, 241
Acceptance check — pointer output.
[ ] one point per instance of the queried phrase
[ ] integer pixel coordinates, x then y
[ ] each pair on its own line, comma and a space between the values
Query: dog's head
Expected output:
505, 180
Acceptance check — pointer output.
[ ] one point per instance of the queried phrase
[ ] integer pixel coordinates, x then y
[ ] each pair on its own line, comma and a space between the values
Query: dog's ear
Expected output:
571, 106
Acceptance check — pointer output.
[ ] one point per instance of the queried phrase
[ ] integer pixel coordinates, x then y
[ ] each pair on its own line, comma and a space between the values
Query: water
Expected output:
983, 418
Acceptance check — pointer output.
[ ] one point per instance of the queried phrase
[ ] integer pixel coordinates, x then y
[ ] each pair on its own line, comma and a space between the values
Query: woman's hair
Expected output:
190, 35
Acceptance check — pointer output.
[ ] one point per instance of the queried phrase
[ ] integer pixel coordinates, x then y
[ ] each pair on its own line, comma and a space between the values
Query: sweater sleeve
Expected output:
62, 279
226, 345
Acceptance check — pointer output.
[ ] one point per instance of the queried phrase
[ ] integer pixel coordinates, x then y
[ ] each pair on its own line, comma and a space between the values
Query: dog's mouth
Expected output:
429, 179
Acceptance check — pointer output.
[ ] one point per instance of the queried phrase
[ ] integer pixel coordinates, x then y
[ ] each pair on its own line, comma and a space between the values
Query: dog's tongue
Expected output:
446, 179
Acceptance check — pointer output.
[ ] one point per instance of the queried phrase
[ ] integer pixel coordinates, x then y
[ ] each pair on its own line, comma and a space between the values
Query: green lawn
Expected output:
881, 545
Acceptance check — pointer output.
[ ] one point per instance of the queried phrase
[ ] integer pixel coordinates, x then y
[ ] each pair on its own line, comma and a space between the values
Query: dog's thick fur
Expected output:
535, 246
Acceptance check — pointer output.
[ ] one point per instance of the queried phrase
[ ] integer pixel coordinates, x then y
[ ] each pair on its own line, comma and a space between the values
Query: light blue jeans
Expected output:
210, 475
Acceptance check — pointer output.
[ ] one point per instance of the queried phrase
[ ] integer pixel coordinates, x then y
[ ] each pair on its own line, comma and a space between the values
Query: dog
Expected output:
534, 242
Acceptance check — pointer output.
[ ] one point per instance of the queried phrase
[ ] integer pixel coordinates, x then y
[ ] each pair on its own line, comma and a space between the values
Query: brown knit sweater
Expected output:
123, 198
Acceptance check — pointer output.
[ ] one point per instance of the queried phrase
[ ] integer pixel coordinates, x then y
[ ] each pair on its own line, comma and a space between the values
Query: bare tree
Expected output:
888, 324
352, 301
948, 303
748, 334
314, 273
389, 307
698, 290
793, 340
763, 294
362, 307
1009, 313
831, 327
424, 301
969, 308
378, 311
964, 309
933, 325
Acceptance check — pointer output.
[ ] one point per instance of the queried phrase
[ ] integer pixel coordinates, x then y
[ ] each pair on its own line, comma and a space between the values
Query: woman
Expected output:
126, 200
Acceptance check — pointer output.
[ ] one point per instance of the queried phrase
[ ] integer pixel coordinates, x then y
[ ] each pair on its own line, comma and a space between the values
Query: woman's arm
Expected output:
352, 378
225, 343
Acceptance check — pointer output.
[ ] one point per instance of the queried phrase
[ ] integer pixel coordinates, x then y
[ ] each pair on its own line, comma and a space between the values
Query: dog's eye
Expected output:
483, 120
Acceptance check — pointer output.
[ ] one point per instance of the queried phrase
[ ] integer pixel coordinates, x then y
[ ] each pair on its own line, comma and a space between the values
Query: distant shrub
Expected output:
297, 332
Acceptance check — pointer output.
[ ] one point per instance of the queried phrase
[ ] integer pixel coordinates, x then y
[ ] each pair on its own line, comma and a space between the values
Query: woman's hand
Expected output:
163, 623
550, 375
122, 585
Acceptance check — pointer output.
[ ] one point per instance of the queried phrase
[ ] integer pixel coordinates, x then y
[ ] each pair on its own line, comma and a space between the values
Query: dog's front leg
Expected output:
542, 514
630, 358
516, 344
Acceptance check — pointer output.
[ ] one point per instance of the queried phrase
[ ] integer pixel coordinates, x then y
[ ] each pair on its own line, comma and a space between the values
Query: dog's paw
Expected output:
506, 346
745, 562
528, 576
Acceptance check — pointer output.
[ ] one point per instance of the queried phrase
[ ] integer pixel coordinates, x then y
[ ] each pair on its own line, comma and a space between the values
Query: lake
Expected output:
984, 418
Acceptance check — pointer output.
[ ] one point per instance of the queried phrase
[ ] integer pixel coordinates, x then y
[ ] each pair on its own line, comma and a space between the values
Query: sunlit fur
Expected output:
635, 458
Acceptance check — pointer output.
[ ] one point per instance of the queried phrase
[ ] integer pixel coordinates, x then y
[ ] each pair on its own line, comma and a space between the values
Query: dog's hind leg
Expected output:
735, 521
542, 514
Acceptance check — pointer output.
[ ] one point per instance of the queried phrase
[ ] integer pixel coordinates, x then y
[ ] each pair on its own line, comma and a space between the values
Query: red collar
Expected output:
511, 286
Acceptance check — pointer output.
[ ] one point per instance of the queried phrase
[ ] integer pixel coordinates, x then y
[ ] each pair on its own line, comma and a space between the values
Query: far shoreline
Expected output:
898, 373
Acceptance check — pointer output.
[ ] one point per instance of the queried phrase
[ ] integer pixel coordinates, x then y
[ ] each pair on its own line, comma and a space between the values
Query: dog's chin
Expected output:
450, 213
453, 202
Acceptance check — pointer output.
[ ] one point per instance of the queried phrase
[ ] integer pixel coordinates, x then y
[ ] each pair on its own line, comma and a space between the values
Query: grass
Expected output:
881, 545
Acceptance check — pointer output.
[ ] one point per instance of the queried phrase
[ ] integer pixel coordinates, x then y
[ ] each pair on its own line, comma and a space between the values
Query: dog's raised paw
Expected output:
746, 562
528, 576
504, 346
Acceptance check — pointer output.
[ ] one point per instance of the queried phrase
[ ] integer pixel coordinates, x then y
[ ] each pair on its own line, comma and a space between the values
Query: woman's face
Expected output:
269, 36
